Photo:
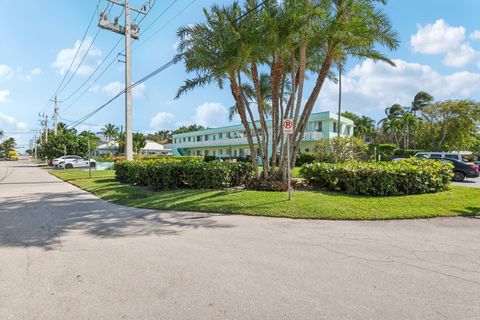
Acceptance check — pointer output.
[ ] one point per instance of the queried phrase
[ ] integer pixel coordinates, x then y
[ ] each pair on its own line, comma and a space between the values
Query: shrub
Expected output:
176, 159
304, 158
341, 149
410, 176
162, 174
386, 151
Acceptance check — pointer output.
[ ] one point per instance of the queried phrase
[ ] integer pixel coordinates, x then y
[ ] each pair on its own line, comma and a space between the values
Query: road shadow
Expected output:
43, 219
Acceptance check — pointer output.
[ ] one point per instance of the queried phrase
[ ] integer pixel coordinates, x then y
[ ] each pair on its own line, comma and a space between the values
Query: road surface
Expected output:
64, 254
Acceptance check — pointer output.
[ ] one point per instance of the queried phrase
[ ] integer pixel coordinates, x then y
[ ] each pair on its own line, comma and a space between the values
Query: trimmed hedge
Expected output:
163, 175
410, 176
136, 157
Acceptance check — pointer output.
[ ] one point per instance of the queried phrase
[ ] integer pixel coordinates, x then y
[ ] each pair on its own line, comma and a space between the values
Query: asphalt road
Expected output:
475, 183
65, 254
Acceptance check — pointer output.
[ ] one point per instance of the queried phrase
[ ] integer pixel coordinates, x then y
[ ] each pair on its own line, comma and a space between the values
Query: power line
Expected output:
153, 73
103, 61
79, 47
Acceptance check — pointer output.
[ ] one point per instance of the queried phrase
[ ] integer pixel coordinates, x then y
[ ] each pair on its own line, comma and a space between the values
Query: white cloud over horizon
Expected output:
163, 121
8, 123
371, 87
441, 38
211, 114
6, 72
113, 88
4, 95
65, 56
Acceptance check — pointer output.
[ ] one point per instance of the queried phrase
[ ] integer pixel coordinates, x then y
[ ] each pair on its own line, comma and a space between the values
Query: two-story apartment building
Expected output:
230, 141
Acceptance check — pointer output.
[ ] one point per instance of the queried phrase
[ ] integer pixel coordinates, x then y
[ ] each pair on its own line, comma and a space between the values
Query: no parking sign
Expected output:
287, 126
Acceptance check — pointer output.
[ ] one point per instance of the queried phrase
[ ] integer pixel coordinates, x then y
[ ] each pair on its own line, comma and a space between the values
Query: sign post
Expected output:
288, 130
89, 164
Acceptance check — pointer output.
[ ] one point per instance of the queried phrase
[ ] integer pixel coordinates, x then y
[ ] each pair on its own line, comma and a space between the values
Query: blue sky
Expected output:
439, 53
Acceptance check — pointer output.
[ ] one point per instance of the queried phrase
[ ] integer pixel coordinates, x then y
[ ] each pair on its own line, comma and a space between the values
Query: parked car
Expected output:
440, 155
76, 163
70, 158
12, 155
463, 170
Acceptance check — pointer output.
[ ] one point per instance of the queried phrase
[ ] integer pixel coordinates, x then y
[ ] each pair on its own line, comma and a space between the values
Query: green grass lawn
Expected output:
459, 201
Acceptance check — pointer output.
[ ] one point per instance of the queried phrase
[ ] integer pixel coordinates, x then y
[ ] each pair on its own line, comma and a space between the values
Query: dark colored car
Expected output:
463, 170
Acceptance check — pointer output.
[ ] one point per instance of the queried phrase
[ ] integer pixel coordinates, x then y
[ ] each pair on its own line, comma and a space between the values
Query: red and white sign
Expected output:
287, 126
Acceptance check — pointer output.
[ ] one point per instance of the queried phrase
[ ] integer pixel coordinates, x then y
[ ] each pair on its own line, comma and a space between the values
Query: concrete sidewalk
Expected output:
65, 254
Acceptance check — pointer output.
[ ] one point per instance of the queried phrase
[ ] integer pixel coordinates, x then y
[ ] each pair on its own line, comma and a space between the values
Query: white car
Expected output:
440, 155
77, 162
59, 160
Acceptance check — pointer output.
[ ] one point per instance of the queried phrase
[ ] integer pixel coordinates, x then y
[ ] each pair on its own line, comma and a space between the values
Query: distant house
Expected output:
153, 148
107, 148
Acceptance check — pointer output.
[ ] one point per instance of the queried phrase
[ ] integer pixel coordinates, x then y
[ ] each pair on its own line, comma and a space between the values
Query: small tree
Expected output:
341, 149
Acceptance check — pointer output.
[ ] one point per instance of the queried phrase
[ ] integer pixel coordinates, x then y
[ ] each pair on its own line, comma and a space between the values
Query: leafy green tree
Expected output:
450, 125
161, 136
139, 141
109, 132
67, 141
9, 144
92, 138
396, 111
364, 126
340, 149
189, 128
286, 40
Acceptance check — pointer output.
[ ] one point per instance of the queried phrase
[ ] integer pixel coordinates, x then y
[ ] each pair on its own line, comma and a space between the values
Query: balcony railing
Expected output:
235, 141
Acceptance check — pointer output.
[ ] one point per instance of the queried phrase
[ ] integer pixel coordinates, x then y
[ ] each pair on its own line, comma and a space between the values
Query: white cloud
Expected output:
4, 95
163, 120
475, 35
5, 71
461, 56
33, 73
65, 56
113, 88
438, 37
211, 114
9, 122
371, 87
95, 88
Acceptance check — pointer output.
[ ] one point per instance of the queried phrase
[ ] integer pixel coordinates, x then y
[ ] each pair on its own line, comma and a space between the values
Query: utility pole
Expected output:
55, 114
46, 128
129, 31
339, 98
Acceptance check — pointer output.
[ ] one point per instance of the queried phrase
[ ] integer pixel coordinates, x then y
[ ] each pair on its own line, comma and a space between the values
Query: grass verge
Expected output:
459, 201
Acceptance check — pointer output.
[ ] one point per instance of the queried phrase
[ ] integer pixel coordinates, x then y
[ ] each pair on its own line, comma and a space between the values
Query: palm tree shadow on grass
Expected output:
470, 212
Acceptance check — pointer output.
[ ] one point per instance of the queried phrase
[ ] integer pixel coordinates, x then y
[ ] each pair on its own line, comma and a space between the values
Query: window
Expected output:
318, 126
189, 139
435, 156
199, 138
451, 156
220, 135
199, 153
235, 152
242, 152
206, 152
214, 153
206, 137
220, 152
334, 127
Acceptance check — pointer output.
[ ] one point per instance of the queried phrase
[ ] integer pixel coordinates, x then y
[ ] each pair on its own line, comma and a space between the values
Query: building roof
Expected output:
319, 116
152, 145
108, 146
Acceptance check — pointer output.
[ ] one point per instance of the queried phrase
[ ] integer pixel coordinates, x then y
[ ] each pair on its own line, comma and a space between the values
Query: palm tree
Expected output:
109, 132
364, 128
139, 142
393, 127
285, 39
407, 122
394, 112
421, 100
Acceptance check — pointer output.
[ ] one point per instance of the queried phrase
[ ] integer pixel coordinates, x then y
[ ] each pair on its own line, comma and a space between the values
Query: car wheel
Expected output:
69, 166
458, 176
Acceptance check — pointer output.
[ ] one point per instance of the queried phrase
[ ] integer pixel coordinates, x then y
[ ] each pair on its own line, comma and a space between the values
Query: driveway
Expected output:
64, 254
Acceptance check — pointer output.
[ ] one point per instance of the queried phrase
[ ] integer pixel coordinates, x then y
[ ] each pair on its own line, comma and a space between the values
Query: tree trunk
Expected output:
237, 94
